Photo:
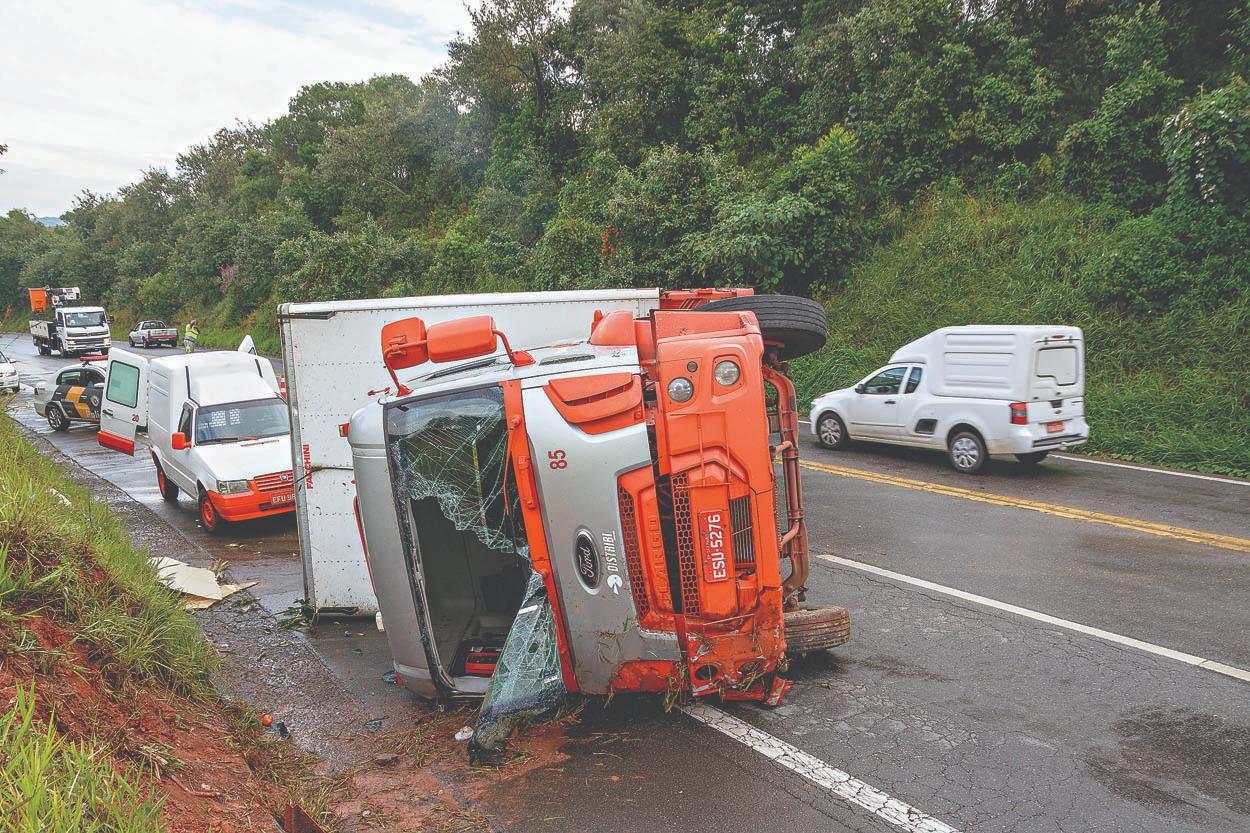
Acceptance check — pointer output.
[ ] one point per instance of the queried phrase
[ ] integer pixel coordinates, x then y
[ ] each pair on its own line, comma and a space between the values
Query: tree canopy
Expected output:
642, 142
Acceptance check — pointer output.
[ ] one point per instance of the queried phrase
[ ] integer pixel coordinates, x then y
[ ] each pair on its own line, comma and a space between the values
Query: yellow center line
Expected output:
1180, 533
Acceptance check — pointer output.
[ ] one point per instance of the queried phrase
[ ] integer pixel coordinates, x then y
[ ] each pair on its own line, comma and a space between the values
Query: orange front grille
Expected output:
281, 481
633, 557
686, 562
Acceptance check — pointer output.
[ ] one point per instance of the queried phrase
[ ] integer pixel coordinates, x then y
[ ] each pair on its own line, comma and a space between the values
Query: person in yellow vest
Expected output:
192, 334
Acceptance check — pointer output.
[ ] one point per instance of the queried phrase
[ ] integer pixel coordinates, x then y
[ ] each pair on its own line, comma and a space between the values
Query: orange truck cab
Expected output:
619, 514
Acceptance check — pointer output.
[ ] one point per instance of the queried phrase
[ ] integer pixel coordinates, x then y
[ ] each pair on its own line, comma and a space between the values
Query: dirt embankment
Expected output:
137, 696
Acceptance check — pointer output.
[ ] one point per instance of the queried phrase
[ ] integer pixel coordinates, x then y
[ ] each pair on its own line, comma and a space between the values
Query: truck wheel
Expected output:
169, 490
211, 521
1032, 458
798, 324
57, 418
44, 350
831, 431
967, 452
816, 628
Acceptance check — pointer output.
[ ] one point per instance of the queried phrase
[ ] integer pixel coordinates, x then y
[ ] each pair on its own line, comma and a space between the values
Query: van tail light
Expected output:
1019, 413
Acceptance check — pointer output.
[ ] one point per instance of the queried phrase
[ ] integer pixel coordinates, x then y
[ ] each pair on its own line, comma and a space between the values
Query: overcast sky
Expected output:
94, 92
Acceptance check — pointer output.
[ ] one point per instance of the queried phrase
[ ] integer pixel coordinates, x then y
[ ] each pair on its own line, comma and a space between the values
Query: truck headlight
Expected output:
233, 487
727, 373
680, 389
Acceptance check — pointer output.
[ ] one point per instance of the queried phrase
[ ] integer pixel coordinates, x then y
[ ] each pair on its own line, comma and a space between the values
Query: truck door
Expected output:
124, 405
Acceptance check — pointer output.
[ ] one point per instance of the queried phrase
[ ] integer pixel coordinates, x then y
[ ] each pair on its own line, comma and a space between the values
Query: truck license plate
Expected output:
1054, 427
286, 497
713, 528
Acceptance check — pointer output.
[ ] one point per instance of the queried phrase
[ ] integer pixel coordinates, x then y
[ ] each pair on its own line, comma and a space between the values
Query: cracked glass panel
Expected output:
450, 455
527, 680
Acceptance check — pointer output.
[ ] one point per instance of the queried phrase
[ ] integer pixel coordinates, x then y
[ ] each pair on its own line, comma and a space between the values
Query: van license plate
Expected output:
1054, 427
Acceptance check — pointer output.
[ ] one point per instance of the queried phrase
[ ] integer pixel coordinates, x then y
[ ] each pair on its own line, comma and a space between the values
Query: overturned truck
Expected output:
619, 513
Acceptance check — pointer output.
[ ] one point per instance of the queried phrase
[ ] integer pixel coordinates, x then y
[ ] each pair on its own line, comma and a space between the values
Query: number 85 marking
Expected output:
557, 459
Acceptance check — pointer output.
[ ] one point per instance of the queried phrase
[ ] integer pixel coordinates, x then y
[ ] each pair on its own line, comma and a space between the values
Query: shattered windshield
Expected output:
449, 455
454, 449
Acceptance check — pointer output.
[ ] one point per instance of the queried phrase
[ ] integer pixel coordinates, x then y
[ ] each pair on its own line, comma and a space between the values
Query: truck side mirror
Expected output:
404, 344
179, 441
464, 338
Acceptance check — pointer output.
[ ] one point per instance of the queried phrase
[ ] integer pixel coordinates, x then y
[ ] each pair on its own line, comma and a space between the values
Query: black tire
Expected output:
213, 523
168, 489
56, 417
816, 629
1032, 458
966, 451
831, 431
798, 324
130, 341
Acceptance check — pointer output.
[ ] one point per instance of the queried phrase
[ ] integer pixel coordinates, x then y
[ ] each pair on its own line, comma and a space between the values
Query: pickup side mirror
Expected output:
861, 387
179, 441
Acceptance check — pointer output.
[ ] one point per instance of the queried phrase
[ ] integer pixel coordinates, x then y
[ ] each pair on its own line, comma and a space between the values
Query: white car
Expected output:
8, 374
973, 391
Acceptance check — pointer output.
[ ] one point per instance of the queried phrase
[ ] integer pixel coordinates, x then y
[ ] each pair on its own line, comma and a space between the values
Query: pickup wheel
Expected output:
169, 490
213, 522
798, 325
130, 341
816, 629
831, 431
1032, 458
967, 452
56, 417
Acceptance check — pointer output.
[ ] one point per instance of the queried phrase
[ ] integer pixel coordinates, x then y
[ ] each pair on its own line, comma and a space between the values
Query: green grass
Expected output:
65, 559
51, 785
1172, 389
77, 559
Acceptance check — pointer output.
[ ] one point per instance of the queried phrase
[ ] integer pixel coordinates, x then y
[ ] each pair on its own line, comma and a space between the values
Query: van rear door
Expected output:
124, 403
1057, 381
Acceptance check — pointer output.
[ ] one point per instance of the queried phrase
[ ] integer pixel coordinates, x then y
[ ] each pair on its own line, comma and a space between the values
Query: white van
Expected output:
217, 428
974, 391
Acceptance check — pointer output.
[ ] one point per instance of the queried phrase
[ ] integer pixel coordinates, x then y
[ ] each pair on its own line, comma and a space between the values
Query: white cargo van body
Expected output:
331, 351
975, 391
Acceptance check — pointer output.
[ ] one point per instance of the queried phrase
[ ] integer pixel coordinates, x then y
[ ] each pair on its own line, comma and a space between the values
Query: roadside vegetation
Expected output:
108, 718
823, 148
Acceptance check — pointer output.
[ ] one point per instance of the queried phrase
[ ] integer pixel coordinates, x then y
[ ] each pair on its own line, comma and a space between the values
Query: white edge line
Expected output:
1128, 641
1230, 481
841, 784
1194, 475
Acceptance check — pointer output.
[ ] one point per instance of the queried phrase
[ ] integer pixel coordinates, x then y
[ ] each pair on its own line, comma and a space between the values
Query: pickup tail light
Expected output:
1019, 413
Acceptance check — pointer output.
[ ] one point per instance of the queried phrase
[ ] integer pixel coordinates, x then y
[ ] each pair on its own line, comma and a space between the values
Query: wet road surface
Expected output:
983, 719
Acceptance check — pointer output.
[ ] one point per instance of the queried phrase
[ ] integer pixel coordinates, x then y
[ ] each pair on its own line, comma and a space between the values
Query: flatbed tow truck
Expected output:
620, 513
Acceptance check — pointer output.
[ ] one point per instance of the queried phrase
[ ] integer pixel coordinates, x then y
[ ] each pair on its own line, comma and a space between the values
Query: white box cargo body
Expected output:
1016, 363
332, 352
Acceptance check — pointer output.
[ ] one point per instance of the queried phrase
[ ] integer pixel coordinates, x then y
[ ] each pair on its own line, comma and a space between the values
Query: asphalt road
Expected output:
975, 694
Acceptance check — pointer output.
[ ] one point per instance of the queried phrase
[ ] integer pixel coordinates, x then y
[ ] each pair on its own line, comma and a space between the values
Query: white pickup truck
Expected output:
974, 391
153, 334
218, 430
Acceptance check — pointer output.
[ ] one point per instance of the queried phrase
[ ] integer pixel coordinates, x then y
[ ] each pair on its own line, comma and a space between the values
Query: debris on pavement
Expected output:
200, 585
